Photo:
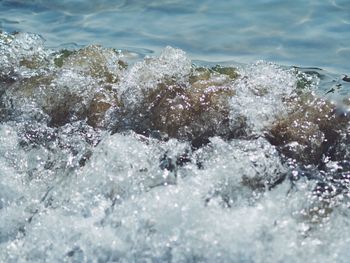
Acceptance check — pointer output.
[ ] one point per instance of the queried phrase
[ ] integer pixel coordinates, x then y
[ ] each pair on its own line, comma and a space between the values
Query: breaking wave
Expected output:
108, 158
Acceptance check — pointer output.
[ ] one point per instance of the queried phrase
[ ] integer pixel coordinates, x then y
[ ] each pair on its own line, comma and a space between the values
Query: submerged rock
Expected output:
310, 129
94, 61
61, 56
169, 96
188, 112
68, 86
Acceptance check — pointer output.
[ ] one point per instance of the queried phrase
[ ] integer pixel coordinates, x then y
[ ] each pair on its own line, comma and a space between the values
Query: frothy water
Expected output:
110, 158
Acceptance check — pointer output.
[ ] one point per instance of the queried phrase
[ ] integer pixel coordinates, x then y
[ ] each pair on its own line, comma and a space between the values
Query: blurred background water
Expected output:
304, 33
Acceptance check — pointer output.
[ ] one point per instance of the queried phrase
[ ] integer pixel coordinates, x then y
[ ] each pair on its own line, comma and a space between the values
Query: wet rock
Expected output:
195, 113
61, 56
94, 61
101, 102
180, 101
22, 55
169, 97
231, 72
27, 87
33, 62
199, 73
204, 74
309, 130
62, 96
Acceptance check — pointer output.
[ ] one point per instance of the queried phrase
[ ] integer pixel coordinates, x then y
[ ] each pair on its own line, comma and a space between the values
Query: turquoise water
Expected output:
302, 33
203, 131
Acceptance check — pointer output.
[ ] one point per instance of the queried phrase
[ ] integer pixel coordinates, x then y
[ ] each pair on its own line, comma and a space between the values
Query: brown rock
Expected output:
309, 129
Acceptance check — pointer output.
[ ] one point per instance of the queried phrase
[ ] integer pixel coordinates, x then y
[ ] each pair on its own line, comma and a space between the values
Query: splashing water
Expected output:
163, 160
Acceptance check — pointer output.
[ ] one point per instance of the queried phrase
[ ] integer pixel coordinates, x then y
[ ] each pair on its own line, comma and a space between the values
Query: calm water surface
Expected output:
304, 33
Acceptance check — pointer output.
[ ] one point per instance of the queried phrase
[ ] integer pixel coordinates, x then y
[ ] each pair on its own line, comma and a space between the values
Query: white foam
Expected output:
66, 195
259, 95
146, 75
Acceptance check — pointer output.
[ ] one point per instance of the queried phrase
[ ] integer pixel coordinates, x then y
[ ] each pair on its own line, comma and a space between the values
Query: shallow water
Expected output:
155, 154
302, 33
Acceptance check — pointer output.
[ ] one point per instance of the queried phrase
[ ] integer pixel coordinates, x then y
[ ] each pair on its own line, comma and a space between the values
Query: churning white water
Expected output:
77, 189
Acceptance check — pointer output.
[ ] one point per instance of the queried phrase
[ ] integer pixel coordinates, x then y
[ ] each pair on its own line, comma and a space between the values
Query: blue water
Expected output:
302, 33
